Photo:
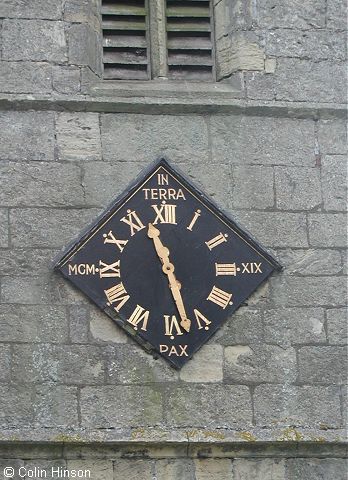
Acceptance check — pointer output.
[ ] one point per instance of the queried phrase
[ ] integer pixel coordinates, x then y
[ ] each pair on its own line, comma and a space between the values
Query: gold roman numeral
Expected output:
165, 213
220, 297
110, 238
214, 242
118, 295
171, 324
108, 271
139, 315
133, 221
194, 220
199, 316
225, 269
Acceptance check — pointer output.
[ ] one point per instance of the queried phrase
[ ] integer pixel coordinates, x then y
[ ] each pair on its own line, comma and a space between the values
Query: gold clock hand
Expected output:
168, 268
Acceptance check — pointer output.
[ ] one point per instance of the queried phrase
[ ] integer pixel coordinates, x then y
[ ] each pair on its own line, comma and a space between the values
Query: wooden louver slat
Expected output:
189, 43
125, 39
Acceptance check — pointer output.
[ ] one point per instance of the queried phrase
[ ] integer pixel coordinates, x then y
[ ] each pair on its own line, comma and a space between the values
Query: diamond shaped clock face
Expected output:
166, 264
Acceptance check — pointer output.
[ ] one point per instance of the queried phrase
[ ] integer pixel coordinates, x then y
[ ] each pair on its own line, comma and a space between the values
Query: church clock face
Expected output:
166, 264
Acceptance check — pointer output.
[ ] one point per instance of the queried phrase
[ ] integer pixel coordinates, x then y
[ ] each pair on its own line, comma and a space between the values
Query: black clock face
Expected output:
166, 264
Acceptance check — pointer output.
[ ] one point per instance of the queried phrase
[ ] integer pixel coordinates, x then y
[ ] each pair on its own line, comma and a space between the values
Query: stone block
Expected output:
308, 291
25, 77
103, 329
143, 138
34, 324
318, 45
259, 364
314, 77
36, 40
130, 364
79, 323
275, 229
258, 469
213, 468
332, 136
40, 184
133, 469
206, 366
294, 406
120, 406
252, 187
26, 262
316, 468
334, 182
197, 406
297, 188
27, 290
84, 46
55, 406
78, 136
310, 262
98, 469
26, 136
243, 327
327, 229
294, 326
337, 326
249, 140
292, 14
175, 469
4, 228
336, 14
48, 9
323, 364
15, 406
82, 11
66, 364
53, 228
5, 362
66, 79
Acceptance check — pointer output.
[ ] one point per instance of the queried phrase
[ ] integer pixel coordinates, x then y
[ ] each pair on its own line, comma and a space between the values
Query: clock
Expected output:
166, 264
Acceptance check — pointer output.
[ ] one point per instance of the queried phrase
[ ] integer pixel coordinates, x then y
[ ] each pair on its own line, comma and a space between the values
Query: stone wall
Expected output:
268, 144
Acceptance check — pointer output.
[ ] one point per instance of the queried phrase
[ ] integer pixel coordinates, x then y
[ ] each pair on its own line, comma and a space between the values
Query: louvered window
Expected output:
148, 39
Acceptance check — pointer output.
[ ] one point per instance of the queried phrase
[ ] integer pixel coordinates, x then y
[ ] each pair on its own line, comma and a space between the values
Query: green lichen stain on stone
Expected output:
249, 437
291, 434
138, 433
191, 433
214, 434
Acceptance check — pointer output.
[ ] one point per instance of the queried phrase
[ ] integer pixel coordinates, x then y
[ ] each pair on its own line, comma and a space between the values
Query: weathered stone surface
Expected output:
26, 135
43, 466
315, 79
33, 324
25, 77
336, 14
55, 406
40, 184
66, 79
99, 469
26, 262
130, 364
292, 14
308, 291
296, 406
294, 326
239, 52
78, 324
337, 326
196, 406
258, 469
206, 367
297, 188
48, 227
316, 468
36, 40
332, 136
334, 182
174, 469
4, 227
134, 470
319, 45
78, 136
5, 362
262, 140
243, 327
27, 290
85, 46
211, 468
49, 9
143, 138
327, 230
275, 229
259, 363
120, 406
15, 406
103, 329
323, 364
68, 364
310, 262
82, 11
252, 187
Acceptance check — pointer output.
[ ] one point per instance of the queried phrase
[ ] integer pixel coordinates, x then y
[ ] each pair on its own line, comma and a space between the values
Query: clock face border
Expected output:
120, 202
